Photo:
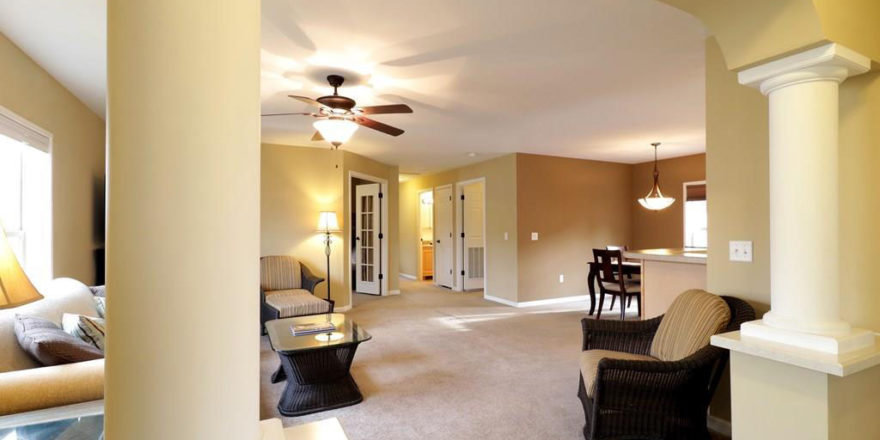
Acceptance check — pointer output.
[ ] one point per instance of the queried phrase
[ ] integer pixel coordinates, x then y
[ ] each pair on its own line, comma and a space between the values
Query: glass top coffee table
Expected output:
79, 428
316, 366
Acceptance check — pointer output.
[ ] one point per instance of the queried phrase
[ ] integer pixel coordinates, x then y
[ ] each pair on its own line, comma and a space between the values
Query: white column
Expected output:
183, 219
803, 96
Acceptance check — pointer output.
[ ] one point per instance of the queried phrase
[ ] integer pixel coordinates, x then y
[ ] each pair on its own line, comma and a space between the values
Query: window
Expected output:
26, 193
696, 217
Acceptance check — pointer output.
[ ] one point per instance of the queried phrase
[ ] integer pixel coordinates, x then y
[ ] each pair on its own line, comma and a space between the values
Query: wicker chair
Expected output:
636, 398
287, 289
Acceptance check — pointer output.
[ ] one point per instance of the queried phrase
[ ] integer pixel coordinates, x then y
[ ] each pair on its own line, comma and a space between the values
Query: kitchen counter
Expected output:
666, 273
675, 255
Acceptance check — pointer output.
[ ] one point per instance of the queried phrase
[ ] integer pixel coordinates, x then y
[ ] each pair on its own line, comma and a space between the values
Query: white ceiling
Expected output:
596, 79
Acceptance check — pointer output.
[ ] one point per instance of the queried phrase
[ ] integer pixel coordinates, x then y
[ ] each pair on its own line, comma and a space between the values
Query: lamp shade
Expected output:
337, 131
15, 287
327, 222
655, 200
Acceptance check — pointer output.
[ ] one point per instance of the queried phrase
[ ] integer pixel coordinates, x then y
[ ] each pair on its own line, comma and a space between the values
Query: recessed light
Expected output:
472, 154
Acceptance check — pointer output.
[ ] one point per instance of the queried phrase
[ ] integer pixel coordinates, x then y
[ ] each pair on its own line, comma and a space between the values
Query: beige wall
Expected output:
299, 182
359, 164
665, 228
501, 202
574, 205
77, 157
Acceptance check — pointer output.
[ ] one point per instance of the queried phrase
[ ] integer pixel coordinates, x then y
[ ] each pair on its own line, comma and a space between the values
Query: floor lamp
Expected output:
327, 225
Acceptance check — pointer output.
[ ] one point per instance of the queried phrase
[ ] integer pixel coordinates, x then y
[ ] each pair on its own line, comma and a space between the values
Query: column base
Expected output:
854, 339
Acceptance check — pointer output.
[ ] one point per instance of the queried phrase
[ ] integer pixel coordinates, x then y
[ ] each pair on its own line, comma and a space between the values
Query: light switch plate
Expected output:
741, 251
534, 236
561, 278
505, 236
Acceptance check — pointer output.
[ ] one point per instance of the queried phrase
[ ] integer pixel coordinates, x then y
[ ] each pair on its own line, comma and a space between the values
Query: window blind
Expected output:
19, 129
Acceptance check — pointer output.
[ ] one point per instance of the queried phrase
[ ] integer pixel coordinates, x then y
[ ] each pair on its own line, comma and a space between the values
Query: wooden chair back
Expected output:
610, 263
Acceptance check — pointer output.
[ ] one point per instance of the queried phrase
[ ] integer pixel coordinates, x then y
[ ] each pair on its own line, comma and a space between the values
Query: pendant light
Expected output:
655, 200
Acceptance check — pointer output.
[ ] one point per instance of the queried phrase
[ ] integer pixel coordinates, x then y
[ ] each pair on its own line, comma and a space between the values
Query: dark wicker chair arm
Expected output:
645, 386
626, 336
309, 280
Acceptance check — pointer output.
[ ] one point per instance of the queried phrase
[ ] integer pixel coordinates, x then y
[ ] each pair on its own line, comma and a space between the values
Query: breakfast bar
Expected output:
666, 273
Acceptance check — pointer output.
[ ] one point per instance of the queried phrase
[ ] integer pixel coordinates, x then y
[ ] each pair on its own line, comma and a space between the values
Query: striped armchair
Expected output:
287, 289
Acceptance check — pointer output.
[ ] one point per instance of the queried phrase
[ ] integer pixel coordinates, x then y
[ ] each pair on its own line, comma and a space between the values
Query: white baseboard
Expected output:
408, 276
540, 302
342, 309
394, 292
718, 425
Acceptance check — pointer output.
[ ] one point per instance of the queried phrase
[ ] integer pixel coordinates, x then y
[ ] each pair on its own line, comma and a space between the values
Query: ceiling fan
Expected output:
338, 116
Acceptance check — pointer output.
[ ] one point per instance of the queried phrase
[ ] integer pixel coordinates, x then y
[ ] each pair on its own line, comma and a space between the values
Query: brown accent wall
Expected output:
574, 205
663, 229
77, 158
501, 217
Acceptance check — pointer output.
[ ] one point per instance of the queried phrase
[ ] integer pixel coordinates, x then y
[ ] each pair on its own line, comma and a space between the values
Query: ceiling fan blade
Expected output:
384, 109
378, 126
307, 100
288, 114
317, 137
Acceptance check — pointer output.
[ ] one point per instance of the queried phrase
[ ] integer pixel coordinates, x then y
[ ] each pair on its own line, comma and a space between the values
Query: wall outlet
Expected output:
741, 251
534, 236
505, 236
561, 278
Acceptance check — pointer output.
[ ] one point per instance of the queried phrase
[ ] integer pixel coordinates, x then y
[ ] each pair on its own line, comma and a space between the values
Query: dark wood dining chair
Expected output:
613, 281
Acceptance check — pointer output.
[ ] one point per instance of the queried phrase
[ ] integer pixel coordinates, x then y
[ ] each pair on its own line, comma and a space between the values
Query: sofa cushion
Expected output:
590, 364
691, 320
296, 302
49, 344
49, 387
88, 329
280, 273
62, 295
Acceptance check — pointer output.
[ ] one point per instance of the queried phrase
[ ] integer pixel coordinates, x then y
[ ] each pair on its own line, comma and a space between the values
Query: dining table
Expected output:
629, 268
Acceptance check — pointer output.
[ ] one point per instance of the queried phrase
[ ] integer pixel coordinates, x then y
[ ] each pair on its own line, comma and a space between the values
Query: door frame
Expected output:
419, 266
383, 286
457, 227
434, 213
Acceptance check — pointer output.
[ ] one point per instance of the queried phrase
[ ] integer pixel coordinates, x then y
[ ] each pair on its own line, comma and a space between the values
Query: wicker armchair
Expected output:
651, 399
287, 288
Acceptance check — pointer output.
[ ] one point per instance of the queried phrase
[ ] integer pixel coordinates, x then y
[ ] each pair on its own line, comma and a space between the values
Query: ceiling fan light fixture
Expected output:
655, 200
337, 131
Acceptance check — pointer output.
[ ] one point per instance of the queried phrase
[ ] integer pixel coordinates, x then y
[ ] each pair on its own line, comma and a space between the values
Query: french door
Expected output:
368, 243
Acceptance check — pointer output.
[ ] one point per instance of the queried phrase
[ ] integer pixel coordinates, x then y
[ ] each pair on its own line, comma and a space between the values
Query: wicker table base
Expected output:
317, 380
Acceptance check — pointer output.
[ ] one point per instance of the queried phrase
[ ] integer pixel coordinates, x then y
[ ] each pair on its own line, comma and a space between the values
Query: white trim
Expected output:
769, 76
540, 302
506, 302
22, 130
718, 425
394, 292
342, 309
458, 227
408, 276
385, 220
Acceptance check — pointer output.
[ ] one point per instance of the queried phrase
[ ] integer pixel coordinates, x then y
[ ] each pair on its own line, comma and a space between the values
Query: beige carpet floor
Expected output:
449, 365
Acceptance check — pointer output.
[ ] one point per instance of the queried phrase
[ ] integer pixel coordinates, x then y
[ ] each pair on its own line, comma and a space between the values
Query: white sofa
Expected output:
25, 385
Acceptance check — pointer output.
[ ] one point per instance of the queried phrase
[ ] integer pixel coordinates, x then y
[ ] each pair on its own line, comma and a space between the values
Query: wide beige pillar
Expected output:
183, 219
802, 90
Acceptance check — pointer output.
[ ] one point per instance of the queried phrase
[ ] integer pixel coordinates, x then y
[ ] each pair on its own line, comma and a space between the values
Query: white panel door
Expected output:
443, 241
367, 243
473, 246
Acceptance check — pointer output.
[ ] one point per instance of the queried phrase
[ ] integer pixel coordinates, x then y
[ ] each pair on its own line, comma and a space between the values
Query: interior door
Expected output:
443, 241
368, 265
473, 246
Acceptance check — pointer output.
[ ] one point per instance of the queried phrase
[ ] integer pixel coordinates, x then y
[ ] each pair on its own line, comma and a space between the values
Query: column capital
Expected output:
831, 62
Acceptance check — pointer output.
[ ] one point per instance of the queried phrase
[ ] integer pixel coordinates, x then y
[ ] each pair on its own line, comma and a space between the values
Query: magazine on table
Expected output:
312, 328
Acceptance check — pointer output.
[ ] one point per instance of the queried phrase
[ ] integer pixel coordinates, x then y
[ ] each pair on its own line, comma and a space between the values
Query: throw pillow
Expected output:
49, 344
101, 306
91, 330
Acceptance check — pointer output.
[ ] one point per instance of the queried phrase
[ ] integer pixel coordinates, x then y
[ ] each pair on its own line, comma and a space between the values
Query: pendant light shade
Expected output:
335, 130
655, 200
